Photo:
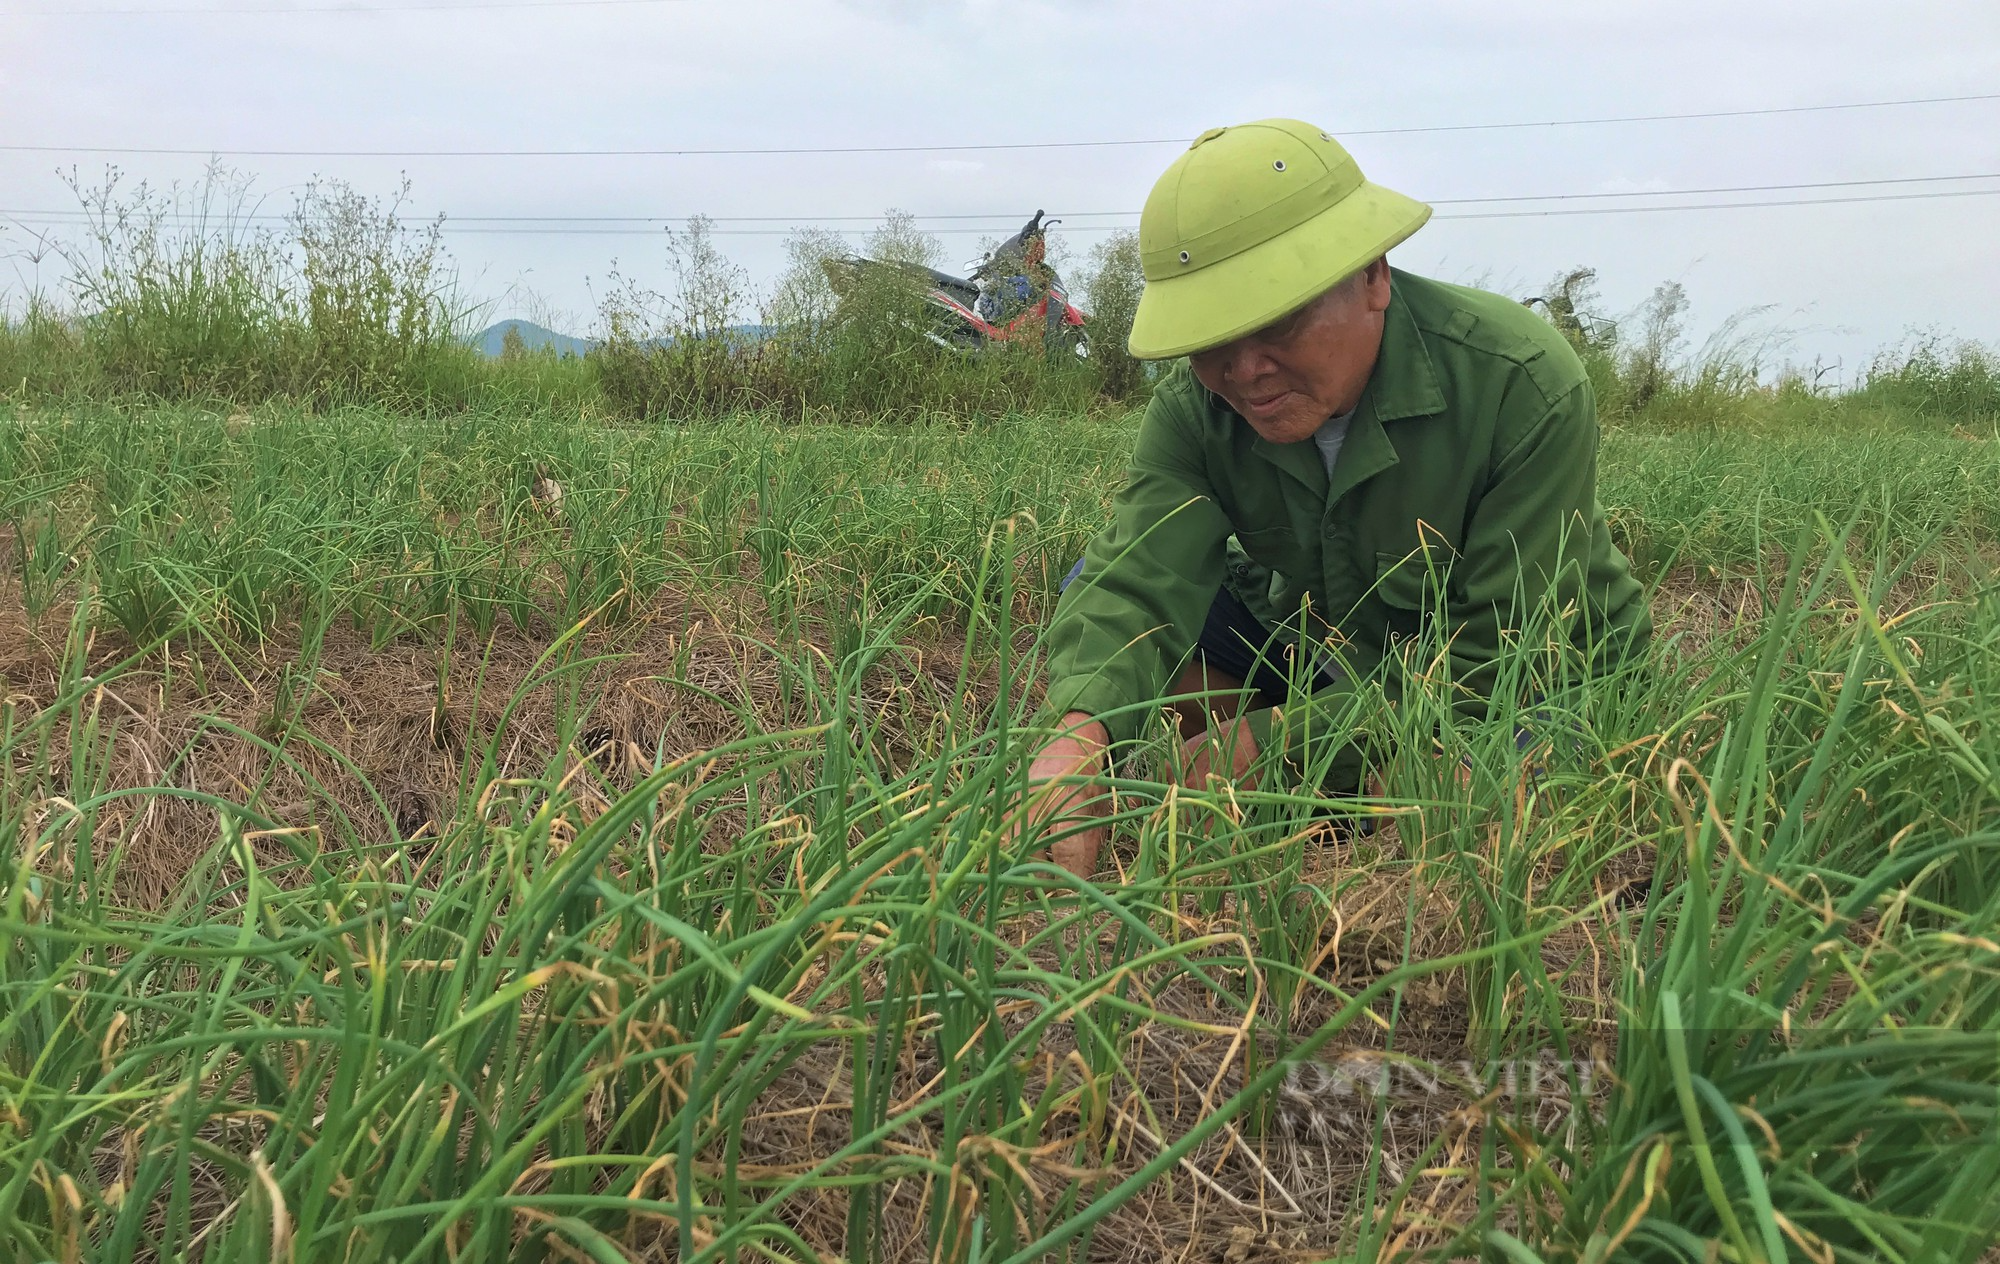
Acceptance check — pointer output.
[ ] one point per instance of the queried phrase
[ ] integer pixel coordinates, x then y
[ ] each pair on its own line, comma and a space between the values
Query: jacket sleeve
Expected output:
1526, 549
1527, 544
1126, 623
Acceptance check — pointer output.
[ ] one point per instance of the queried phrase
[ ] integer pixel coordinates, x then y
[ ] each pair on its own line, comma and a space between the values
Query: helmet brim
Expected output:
1180, 315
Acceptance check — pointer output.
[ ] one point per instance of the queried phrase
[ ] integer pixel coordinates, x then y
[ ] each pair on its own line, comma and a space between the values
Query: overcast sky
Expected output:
1841, 280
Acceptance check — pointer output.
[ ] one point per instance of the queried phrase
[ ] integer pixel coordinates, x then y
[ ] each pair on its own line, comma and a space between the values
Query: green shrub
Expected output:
185, 294
1112, 292
182, 294
675, 354
43, 354
380, 308
1644, 374
835, 342
1958, 382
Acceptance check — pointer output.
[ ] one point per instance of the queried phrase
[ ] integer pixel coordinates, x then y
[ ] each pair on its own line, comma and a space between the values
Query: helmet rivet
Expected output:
1278, 165
1184, 256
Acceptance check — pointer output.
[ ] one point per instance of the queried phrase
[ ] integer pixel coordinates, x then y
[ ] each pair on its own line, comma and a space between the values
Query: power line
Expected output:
1934, 195
1724, 188
1675, 118
331, 8
1003, 218
530, 231
775, 151
1013, 218
1468, 215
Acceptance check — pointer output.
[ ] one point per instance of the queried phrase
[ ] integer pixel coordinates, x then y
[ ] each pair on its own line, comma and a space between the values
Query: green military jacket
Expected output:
1466, 490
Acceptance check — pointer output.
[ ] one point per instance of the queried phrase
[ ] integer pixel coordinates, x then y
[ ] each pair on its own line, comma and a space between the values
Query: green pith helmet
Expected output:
1251, 224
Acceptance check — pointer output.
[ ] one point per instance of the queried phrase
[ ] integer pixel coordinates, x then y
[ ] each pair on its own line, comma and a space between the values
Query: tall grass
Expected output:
186, 294
1959, 382
1116, 281
866, 354
1648, 378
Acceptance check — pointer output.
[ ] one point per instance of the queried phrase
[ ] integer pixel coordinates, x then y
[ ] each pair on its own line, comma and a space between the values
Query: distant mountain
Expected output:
492, 339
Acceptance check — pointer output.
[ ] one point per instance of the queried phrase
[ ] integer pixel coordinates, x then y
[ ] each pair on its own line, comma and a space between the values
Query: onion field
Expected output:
515, 836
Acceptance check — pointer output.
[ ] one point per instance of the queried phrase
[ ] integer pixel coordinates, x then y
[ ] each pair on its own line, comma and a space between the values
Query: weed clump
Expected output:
833, 340
1116, 281
1958, 382
189, 294
1641, 369
193, 294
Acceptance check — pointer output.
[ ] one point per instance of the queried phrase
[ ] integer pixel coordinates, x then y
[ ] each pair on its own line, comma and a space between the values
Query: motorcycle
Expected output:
1007, 297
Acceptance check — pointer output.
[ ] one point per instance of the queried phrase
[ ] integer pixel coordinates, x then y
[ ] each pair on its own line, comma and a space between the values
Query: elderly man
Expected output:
1348, 453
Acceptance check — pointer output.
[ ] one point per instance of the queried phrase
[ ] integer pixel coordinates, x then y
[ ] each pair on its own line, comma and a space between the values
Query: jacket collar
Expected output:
1405, 383
1301, 460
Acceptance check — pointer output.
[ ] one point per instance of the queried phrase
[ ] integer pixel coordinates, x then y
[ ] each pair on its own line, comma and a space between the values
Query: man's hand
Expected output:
1076, 753
1225, 754
1062, 793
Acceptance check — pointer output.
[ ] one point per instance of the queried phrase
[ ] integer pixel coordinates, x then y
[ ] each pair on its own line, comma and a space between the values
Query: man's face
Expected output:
1290, 376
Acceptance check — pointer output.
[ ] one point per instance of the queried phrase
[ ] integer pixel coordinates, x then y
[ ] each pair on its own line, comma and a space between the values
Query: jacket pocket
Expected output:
1405, 582
1276, 548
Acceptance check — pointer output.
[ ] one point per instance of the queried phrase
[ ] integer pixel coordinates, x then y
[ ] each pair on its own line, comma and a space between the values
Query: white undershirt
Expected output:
1330, 435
